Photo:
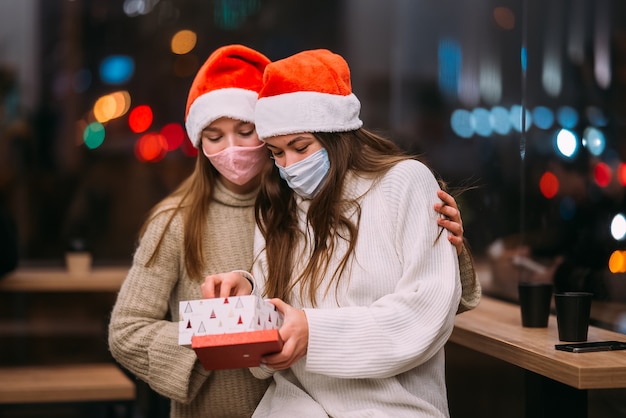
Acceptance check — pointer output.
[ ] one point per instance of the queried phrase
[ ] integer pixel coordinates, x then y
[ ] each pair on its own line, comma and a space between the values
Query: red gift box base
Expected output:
235, 351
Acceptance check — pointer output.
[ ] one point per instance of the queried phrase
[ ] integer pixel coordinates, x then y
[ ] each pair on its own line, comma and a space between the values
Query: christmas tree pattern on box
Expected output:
230, 315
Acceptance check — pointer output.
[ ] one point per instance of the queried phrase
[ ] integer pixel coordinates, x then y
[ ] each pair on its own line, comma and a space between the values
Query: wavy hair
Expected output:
360, 151
191, 199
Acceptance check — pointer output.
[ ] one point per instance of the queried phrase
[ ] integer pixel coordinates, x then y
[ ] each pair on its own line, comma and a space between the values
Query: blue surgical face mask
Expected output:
306, 176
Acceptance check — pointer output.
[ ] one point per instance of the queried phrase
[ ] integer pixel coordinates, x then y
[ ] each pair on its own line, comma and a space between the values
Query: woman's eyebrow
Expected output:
242, 123
296, 139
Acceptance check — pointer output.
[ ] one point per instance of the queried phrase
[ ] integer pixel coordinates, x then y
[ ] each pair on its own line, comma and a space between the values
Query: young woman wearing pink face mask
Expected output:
206, 226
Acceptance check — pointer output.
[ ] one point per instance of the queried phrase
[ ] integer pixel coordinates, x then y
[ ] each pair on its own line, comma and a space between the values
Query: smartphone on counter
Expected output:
589, 347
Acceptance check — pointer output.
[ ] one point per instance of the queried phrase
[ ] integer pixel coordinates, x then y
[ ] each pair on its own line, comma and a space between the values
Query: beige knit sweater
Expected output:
470, 286
143, 332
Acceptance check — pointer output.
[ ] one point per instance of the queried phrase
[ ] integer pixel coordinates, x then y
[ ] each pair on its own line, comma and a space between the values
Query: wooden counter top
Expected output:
31, 279
65, 383
495, 329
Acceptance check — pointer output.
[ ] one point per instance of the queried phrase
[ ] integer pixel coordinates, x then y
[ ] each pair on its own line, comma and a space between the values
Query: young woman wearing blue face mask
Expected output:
350, 249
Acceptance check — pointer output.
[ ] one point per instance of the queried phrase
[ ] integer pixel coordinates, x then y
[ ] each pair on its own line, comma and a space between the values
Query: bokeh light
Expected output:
602, 174
140, 119
543, 117
618, 227
183, 41
187, 147
515, 115
230, 15
93, 135
504, 17
593, 139
566, 143
111, 106
481, 119
567, 117
500, 120
617, 262
461, 123
174, 135
596, 116
150, 147
449, 66
139, 7
548, 185
117, 69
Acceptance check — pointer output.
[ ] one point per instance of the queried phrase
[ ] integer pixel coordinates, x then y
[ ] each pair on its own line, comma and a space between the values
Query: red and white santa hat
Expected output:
226, 85
307, 92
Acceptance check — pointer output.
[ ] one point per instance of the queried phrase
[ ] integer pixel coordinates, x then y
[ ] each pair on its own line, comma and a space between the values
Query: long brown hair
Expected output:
360, 151
192, 199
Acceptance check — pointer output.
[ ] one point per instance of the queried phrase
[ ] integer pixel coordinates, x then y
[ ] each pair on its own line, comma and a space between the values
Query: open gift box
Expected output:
230, 333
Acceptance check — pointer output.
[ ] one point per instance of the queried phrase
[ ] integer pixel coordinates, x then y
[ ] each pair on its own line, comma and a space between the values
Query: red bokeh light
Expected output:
549, 185
140, 119
174, 134
188, 149
602, 174
151, 147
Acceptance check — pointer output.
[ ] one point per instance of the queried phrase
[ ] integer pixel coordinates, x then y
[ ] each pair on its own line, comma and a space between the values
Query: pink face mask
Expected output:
239, 164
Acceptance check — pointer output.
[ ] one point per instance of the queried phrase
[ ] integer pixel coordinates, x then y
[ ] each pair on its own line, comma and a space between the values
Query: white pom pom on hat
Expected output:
307, 92
226, 85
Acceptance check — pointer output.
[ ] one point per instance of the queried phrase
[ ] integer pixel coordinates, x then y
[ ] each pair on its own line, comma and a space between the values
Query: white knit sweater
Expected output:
377, 350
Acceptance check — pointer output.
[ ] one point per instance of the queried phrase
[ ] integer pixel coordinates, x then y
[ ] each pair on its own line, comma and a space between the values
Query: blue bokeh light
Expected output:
543, 117
515, 116
594, 140
567, 117
500, 120
117, 69
449, 64
461, 123
481, 119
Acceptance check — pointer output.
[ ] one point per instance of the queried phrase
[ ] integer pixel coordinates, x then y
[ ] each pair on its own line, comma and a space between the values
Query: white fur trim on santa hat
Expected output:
223, 103
306, 111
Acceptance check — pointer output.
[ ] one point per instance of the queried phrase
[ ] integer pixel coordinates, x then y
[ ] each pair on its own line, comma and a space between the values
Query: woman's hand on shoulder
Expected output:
450, 219
222, 285
295, 335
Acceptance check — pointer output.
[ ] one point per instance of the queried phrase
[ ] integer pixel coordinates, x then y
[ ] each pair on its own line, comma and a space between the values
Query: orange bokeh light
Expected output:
617, 262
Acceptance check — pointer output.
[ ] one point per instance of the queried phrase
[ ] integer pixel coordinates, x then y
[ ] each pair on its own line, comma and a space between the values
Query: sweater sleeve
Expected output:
471, 290
142, 337
408, 325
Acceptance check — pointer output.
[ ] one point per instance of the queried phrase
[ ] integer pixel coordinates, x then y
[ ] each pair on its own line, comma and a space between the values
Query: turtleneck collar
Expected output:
227, 197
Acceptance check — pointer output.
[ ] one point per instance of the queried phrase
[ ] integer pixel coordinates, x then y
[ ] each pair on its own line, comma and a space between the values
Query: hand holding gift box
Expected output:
229, 333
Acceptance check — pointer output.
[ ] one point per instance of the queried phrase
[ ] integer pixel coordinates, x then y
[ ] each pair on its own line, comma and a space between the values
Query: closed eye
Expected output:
276, 153
212, 138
